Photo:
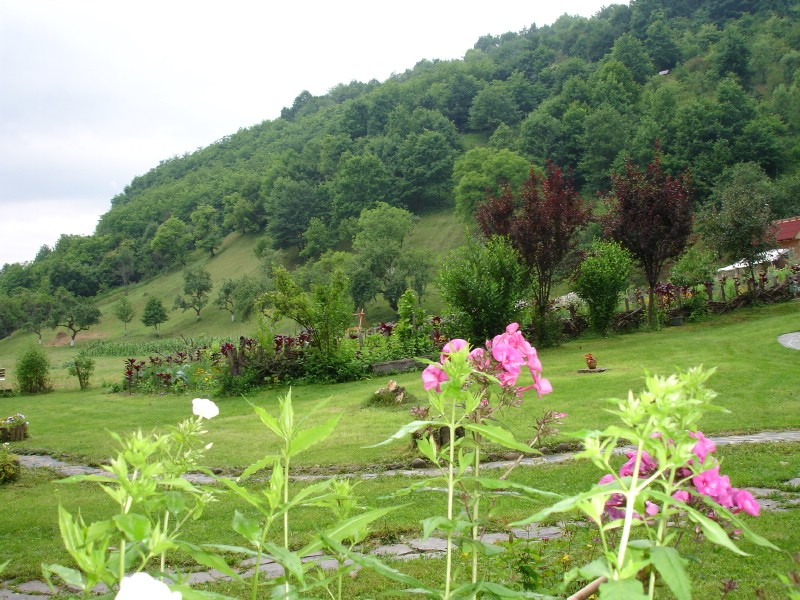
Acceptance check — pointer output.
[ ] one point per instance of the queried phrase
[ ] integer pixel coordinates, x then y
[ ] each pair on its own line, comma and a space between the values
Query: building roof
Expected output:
788, 228
768, 256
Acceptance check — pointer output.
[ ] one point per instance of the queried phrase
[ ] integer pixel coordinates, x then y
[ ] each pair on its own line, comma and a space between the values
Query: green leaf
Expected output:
428, 449
249, 529
404, 431
269, 421
175, 502
671, 566
262, 463
375, 564
349, 527
431, 524
597, 568
207, 559
625, 589
135, 526
490, 483
498, 435
71, 577
287, 559
308, 437
712, 530
189, 593
561, 506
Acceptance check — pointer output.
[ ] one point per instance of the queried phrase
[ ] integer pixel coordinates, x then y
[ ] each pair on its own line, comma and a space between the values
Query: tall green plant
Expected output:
669, 487
33, 370
154, 501
467, 388
600, 280
276, 501
484, 285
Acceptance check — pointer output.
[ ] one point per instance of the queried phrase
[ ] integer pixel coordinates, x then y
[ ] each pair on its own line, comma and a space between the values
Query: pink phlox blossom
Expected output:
646, 466
452, 346
703, 447
717, 487
744, 501
510, 359
478, 358
681, 496
432, 377
650, 508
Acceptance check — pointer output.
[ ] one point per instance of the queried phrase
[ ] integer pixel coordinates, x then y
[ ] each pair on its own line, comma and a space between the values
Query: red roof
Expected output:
788, 228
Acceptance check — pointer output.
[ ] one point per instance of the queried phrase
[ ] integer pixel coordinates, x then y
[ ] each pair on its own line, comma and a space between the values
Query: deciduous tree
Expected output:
154, 313
739, 226
123, 310
74, 313
196, 286
540, 224
650, 214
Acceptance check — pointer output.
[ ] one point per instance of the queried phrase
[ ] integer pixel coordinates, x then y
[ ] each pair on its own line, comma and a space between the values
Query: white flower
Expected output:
141, 586
204, 408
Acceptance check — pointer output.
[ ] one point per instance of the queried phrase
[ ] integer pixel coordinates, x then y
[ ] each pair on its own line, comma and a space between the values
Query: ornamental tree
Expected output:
540, 225
650, 215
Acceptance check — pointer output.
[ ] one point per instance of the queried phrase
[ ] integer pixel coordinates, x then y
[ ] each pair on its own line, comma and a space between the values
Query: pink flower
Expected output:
681, 496
703, 447
717, 487
650, 509
452, 346
607, 478
646, 466
476, 357
743, 500
432, 377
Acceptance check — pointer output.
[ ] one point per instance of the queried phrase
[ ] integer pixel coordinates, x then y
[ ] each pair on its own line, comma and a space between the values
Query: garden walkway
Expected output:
411, 548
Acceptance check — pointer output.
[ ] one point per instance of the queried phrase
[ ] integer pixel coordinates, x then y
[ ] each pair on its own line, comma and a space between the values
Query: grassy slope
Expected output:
437, 232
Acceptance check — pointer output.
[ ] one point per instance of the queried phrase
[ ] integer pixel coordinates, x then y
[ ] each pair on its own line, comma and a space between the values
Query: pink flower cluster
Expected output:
707, 483
504, 357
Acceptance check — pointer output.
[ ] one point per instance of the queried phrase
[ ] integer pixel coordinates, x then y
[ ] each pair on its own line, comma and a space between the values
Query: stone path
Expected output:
769, 499
790, 340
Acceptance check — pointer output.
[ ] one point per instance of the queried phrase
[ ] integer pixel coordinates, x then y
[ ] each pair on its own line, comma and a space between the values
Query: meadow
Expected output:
755, 380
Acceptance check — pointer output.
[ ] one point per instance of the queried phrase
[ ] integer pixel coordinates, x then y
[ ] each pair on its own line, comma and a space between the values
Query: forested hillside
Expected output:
714, 82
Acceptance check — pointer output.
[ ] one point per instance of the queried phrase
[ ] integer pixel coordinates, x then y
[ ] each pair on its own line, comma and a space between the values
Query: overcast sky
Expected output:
96, 92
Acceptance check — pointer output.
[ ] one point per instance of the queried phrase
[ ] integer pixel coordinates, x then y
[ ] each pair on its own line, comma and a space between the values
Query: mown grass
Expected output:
29, 533
755, 379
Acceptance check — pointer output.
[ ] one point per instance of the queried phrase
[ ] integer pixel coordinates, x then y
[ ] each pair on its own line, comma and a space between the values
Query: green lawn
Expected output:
755, 379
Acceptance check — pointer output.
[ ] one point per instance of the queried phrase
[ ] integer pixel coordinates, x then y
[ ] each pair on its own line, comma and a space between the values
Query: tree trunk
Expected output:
650, 299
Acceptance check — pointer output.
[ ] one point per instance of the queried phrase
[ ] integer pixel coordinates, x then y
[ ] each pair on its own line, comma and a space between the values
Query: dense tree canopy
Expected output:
583, 92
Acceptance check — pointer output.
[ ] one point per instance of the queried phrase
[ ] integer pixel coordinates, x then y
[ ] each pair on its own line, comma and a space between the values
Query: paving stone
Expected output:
392, 550
6, 594
495, 538
761, 492
35, 587
794, 482
431, 544
200, 577
771, 505
100, 589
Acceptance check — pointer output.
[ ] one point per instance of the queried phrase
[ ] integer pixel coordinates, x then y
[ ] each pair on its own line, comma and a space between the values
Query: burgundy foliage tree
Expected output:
651, 216
540, 225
